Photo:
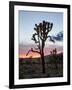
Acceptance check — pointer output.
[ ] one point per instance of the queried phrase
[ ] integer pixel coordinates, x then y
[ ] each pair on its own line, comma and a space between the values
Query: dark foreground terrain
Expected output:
32, 67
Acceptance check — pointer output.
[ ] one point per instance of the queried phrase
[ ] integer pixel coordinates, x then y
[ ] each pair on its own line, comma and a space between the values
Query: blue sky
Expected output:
28, 19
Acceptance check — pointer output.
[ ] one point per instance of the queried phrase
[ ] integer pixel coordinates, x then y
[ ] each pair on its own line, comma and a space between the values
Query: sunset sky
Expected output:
27, 21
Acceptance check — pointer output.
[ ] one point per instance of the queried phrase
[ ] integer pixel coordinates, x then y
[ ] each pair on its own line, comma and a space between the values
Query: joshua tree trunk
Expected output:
42, 57
43, 63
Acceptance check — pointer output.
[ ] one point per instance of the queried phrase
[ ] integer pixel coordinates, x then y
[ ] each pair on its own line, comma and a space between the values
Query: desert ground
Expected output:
32, 67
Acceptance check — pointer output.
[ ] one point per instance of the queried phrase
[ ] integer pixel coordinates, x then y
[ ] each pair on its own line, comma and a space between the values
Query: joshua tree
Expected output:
39, 37
54, 57
53, 52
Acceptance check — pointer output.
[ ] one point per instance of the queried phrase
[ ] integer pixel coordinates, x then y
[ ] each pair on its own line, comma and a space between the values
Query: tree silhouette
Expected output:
54, 57
39, 37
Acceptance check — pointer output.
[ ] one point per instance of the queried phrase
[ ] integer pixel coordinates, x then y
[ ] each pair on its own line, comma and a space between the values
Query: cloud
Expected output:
58, 37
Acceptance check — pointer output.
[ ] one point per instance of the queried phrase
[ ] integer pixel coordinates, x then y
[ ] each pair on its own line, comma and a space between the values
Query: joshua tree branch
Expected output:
35, 51
32, 51
51, 39
33, 37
